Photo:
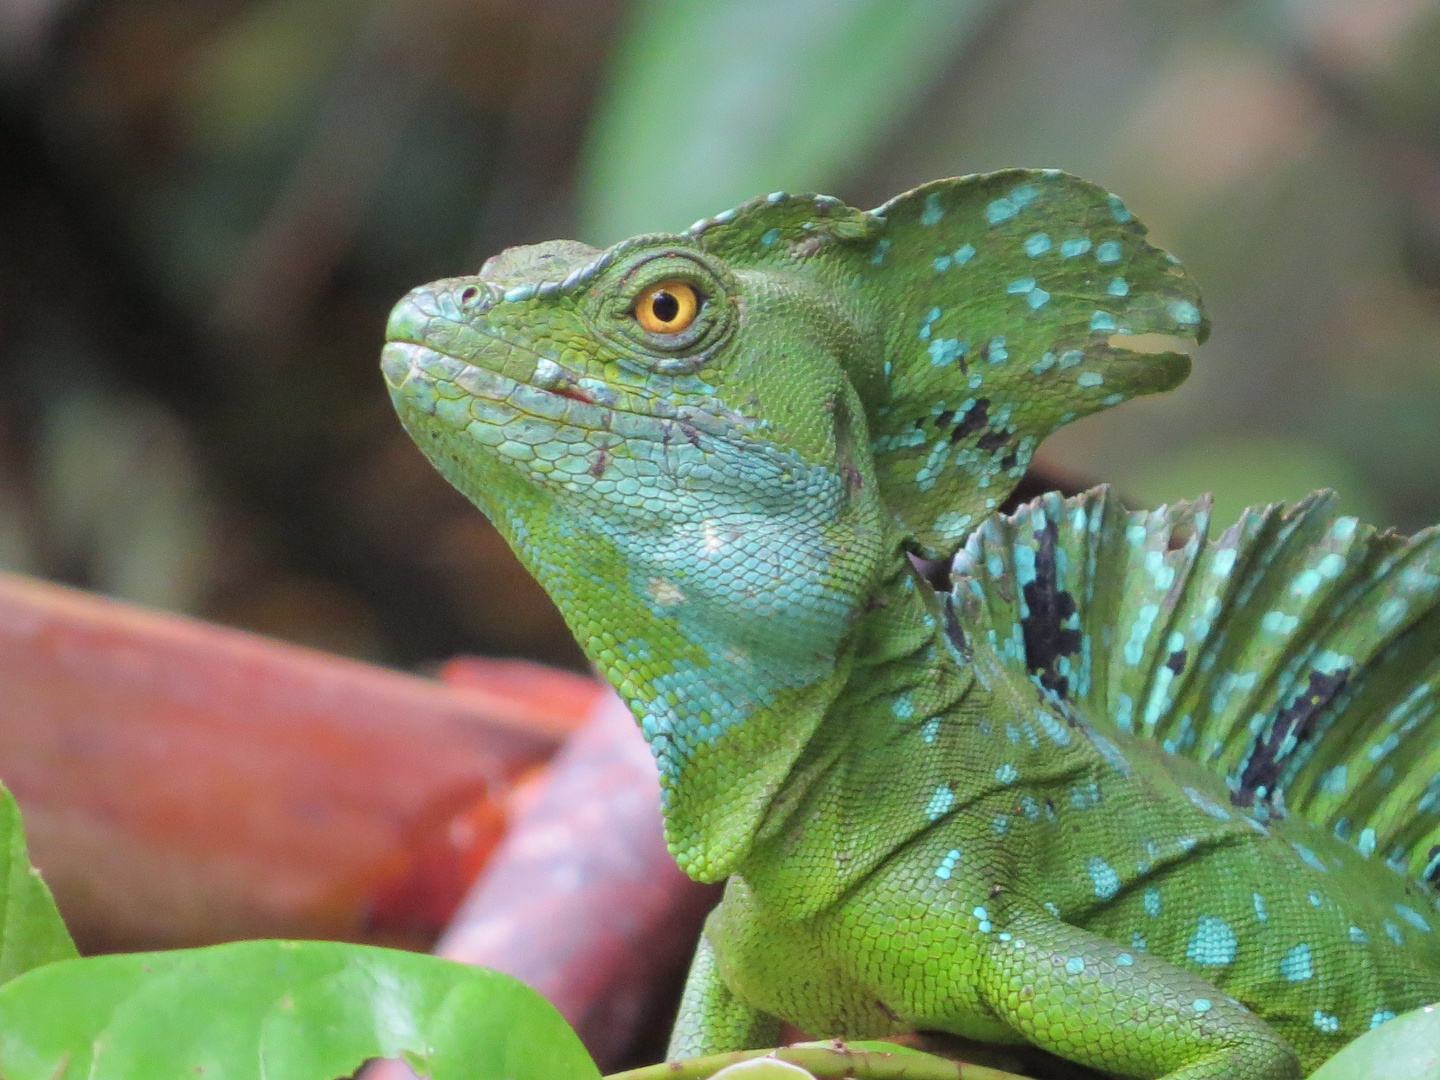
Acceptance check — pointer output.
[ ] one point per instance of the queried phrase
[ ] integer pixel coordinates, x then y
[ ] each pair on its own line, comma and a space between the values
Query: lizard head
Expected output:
710, 446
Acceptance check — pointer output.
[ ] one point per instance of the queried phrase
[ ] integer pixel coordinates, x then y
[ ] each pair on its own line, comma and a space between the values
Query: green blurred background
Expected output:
207, 209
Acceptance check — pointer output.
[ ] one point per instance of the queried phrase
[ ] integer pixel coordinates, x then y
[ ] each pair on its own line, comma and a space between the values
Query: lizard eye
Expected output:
667, 307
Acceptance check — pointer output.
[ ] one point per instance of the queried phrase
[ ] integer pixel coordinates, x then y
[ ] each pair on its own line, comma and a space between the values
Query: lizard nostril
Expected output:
468, 295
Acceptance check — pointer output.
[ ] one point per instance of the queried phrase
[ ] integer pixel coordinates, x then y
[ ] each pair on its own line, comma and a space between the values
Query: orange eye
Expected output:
667, 307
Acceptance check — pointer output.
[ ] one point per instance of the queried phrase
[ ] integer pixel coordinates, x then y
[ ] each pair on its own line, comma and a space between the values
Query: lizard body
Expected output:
1123, 793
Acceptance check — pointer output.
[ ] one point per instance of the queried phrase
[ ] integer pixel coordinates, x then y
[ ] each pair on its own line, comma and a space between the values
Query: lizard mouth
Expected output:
519, 417
515, 388
489, 396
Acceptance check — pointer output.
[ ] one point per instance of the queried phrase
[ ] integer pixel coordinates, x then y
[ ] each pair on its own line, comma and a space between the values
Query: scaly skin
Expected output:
915, 834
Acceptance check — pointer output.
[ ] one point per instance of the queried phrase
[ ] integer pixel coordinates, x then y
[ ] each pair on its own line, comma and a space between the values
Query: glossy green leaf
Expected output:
297, 1010
31, 930
1406, 1048
713, 101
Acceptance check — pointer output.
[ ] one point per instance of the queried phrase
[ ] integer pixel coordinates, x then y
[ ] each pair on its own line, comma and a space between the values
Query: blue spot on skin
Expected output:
1103, 876
1075, 965
1213, 943
1000, 210
933, 211
1278, 622
1108, 252
1024, 195
945, 351
1393, 932
881, 247
1139, 631
1037, 245
1309, 858
1315, 900
964, 254
1344, 528
1201, 1005
997, 351
1020, 285
1306, 583
1118, 210
947, 864
1102, 320
1259, 902
930, 729
1007, 774
1152, 902
1413, 917
1037, 298
1184, 312
771, 235
1381, 1016
1124, 959
1391, 612
1366, 843
903, 707
1076, 246
1000, 826
940, 802
1089, 378
1124, 712
1358, 936
1326, 1023
942, 263
1110, 400
1118, 287
1295, 964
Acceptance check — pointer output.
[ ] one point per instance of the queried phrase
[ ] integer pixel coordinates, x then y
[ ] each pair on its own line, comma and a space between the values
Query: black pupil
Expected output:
665, 305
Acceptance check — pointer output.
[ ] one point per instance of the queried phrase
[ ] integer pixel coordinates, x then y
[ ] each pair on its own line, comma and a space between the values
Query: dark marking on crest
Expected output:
953, 629
890, 1013
944, 418
1176, 661
1433, 877
1046, 636
1295, 721
975, 418
993, 440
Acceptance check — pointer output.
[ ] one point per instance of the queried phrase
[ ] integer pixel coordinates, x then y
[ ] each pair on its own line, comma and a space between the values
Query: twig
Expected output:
832, 1061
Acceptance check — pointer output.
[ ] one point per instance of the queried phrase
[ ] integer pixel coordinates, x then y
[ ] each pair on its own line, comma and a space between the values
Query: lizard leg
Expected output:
712, 1020
1092, 1001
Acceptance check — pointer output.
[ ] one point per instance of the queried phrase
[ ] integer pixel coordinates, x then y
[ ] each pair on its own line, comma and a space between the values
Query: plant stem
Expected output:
827, 1063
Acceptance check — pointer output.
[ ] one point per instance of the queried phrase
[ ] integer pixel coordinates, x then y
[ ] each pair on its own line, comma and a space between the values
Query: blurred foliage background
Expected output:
206, 211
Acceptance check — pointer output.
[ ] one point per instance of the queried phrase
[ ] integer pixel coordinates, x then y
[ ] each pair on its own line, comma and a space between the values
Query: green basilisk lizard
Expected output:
1162, 803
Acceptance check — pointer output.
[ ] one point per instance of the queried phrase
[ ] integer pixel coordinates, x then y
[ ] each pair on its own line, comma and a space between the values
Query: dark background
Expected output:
207, 209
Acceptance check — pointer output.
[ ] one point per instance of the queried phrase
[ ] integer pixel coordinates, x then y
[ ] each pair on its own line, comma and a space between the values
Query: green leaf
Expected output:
297, 1010
1406, 1048
713, 101
31, 930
